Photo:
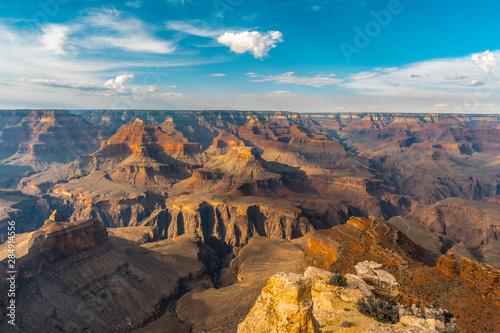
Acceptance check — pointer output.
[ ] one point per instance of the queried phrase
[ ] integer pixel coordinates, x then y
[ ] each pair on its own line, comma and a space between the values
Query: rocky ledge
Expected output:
312, 303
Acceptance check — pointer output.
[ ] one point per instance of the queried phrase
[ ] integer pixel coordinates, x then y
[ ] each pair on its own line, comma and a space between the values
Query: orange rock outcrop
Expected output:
470, 293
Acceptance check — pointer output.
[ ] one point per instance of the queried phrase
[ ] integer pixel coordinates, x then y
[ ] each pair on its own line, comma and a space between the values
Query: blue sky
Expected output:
307, 56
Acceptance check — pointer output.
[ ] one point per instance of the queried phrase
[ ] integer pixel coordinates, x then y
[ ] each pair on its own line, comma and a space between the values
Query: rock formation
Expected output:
310, 303
37, 139
285, 305
469, 295
482, 277
57, 216
448, 265
230, 177
223, 309
54, 242
384, 283
72, 276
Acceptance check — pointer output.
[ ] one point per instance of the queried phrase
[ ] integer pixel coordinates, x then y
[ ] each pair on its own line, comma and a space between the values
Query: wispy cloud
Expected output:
455, 77
217, 75
179, 2
195, 28
475, 83
435, 77
134, 4
118, 84
119, 31
442, 106
319, 80
364, 76
76, 85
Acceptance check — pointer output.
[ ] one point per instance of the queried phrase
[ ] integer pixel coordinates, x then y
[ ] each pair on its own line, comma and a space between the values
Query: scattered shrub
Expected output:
347, 324
381, 311
338, 279
447, 317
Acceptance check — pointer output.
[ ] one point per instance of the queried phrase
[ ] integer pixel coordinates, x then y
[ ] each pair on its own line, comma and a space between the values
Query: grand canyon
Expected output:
241, 221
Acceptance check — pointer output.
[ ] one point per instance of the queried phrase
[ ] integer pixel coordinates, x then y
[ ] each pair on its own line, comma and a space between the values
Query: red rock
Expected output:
321, 251
448, 265
484, 278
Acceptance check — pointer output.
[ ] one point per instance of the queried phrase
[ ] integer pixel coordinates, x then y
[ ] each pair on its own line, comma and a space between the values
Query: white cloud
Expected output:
438, 78
78, 85
280, 93
252, 42
54, 37
485, 61
319, 80
364, 76
217, 75
455, 77
194, 27
135, 43
117, 90
475, 83
470, 105
119, 82
116, 30
170, 95
442, 106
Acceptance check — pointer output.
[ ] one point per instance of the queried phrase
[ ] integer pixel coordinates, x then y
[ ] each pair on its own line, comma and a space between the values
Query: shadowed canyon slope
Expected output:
220, 189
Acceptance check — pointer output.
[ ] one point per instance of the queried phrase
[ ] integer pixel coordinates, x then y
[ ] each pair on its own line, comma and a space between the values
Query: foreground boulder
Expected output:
384, 283
285, 305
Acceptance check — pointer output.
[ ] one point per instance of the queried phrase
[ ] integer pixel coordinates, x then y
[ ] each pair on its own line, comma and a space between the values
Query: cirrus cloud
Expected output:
364, 76
455, 77
319, 80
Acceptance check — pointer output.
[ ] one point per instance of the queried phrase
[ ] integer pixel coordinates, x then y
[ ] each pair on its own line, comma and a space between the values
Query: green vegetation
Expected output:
338, 279
379, 310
